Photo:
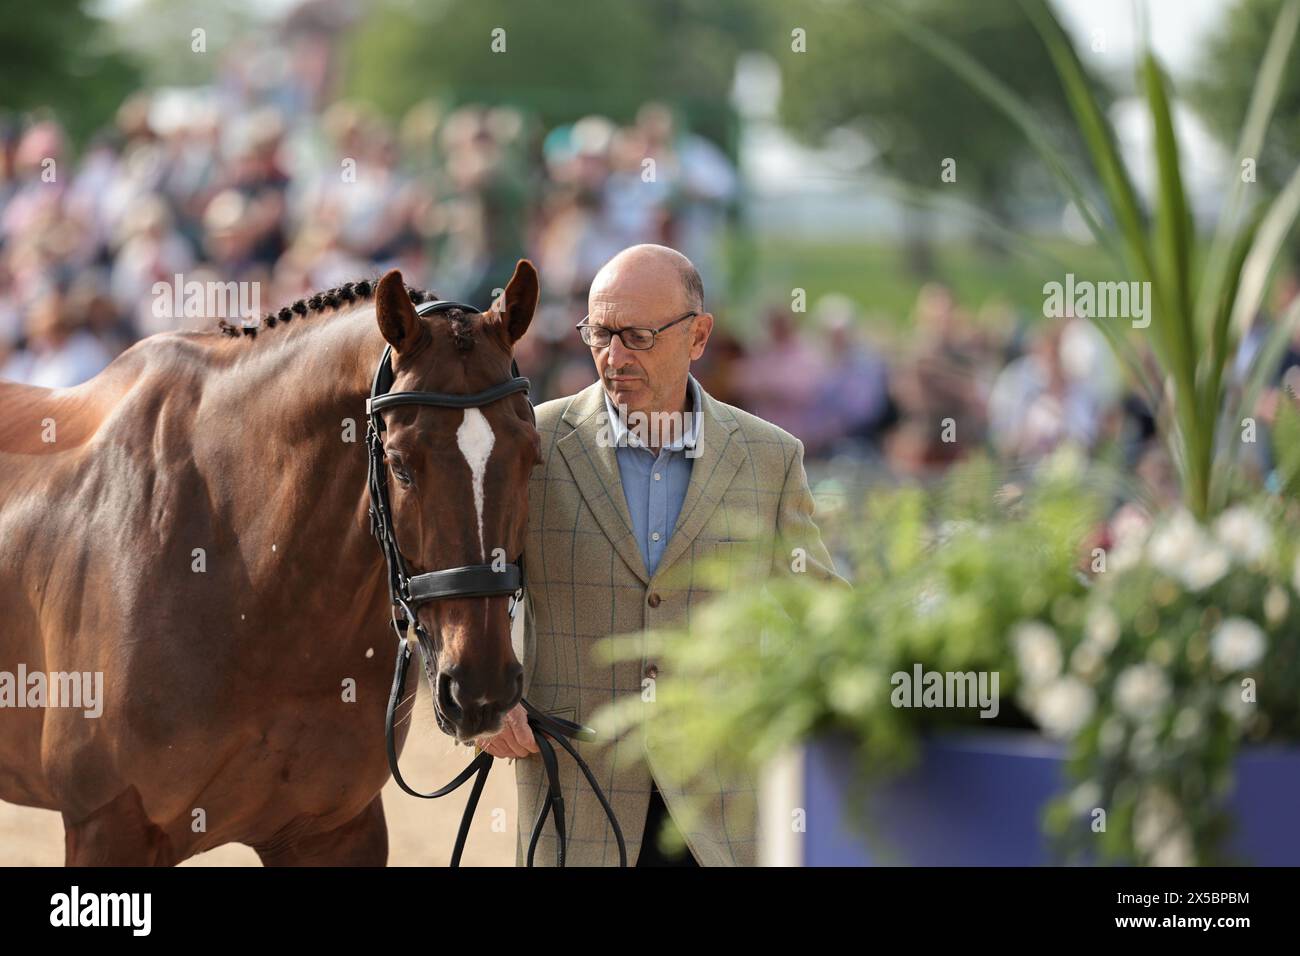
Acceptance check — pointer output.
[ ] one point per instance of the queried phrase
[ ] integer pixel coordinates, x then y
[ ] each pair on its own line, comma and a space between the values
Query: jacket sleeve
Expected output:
799, 547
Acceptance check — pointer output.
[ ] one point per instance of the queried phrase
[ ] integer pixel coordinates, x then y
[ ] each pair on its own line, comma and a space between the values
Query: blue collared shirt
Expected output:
655, 485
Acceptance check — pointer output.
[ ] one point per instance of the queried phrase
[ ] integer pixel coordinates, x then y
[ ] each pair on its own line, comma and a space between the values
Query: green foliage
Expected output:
860, 71
56, 55
868, 272
1225, 79
563, 59
159, 35
1286, 444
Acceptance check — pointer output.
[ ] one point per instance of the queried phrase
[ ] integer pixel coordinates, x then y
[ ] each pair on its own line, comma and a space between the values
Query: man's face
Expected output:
652, 379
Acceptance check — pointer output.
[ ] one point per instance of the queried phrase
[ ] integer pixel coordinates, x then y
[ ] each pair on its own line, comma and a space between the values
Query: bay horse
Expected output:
192, 526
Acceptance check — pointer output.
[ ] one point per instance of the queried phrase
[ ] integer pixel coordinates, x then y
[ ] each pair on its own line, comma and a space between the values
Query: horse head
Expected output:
457, 488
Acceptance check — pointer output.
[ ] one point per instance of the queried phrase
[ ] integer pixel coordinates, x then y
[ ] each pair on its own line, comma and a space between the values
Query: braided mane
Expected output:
347, 294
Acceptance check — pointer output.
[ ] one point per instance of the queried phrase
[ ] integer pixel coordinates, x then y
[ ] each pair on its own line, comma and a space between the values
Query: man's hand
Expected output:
515, 738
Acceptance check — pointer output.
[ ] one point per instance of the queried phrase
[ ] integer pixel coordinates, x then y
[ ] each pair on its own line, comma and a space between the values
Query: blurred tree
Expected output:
563, 59
57, 55
161, 36
1220, 90
858, 71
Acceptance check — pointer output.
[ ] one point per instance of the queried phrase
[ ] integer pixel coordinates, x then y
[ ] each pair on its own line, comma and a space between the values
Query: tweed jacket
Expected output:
587, 581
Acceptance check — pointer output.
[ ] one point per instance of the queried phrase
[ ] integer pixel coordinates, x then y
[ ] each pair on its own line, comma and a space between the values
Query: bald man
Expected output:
643, 475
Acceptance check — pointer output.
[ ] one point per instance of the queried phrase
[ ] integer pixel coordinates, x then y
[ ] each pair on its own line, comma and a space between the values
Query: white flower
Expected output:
1175, 850
1204, 566
1237, 644
1187, 724
1102, 628
929, 599
1130, 526
1125, 556
1276, 604
1037, 652
1143, 748
1066, 463
1063, 707
1085, 797
1141, 690
854, 691
1110, 739
1235, 705
1245, 534
1159, 831
952, 529
1171, 543
1086, 660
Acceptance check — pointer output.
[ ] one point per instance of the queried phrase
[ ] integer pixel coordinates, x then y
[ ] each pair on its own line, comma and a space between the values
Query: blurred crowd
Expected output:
209, 186
257, 184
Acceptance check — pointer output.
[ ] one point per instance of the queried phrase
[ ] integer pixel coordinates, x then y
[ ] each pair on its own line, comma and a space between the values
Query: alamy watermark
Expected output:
79, 690
180, 299
946, 689
130, 910
653, 430
1098, 300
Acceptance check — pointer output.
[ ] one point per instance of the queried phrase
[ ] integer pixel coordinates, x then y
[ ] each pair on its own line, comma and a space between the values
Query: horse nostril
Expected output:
448, 690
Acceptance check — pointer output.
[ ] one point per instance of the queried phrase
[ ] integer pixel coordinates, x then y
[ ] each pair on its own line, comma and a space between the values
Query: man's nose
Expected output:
619, 354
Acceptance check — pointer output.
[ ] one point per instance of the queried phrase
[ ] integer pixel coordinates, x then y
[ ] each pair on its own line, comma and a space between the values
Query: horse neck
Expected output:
299, 454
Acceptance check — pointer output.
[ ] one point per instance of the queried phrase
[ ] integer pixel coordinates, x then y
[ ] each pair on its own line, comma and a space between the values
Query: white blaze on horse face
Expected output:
475, 440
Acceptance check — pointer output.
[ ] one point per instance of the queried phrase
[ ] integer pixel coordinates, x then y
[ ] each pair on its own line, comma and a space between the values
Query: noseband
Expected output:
408, 592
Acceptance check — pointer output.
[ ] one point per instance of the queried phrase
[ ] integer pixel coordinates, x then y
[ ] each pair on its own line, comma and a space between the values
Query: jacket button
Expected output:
652, 671
653, 599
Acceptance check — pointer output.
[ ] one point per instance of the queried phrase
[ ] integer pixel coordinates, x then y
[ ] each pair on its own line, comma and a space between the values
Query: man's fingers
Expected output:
522, 736
510, 743
515, 738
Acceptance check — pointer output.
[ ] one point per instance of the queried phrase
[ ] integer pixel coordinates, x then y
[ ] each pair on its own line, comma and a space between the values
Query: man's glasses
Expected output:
599, 337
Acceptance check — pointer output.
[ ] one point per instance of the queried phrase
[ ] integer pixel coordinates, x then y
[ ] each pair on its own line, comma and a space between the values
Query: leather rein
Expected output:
408, 592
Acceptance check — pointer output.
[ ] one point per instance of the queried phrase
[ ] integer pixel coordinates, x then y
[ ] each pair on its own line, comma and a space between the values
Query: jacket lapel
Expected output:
721, 453
592, 460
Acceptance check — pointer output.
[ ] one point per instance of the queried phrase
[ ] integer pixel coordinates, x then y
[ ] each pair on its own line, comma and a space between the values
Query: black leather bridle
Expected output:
409, 591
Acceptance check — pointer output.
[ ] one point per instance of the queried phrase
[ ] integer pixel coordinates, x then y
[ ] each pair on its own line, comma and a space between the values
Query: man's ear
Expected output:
701, 328
515, 306
395, 313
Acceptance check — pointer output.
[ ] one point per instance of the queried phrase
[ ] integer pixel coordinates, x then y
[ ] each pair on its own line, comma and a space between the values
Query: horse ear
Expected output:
516, 305
395, 313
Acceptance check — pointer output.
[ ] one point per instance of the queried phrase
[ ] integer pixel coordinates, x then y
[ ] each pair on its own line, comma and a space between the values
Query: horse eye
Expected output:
399, 472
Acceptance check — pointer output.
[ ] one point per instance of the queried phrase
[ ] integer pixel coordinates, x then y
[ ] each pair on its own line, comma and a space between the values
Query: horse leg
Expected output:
362, 841
117, 834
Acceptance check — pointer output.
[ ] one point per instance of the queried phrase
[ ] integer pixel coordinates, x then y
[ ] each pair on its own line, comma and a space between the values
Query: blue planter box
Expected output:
978, 798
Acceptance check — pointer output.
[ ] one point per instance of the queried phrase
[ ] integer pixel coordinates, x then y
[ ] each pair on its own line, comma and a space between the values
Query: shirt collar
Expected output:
690, 433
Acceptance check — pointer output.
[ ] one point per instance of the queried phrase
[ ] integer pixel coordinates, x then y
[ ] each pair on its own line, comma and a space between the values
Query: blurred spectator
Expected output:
1057, 392
782, 377
853, 402
61, 350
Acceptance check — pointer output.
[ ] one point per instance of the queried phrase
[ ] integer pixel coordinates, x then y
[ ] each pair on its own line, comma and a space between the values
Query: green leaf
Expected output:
1004, 98
1268, 83
1097, 134
1286, 443
1173, 217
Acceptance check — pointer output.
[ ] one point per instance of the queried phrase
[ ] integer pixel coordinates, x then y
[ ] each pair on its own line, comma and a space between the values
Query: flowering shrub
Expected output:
1189, 647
